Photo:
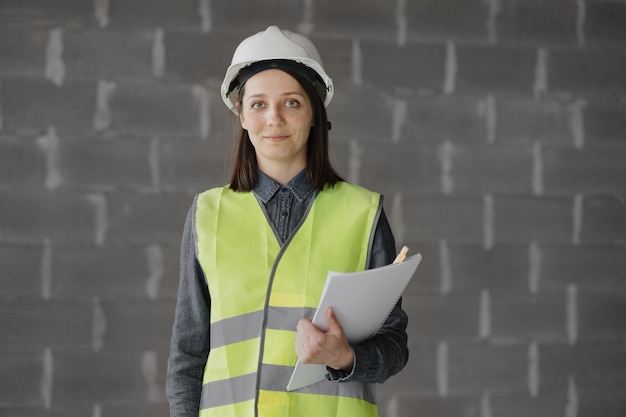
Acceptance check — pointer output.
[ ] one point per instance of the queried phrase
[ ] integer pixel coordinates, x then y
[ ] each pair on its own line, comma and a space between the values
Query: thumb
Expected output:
333, 323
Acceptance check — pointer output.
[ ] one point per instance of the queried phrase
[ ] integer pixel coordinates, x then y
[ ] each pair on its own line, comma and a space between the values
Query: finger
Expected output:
305, 326
307, 336
333, 323
303, 322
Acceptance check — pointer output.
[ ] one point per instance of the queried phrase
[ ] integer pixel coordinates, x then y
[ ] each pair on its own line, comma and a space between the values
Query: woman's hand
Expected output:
330, 348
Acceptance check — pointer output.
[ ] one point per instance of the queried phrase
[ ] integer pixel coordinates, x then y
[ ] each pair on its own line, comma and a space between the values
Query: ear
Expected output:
241, 118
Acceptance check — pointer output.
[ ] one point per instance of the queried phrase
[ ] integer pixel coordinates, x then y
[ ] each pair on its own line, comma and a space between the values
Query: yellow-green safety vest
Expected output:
260, 290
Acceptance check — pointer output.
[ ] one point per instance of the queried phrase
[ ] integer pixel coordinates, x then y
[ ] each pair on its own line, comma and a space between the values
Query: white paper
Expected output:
361, 302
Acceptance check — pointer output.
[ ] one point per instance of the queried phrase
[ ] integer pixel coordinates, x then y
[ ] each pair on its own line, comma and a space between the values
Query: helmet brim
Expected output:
233, 71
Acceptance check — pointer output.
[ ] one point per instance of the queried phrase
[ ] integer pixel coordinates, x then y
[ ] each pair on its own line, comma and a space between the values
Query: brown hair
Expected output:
319, 169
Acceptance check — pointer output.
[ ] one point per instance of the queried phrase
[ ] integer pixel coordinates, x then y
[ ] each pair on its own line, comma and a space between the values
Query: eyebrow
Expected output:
288, 93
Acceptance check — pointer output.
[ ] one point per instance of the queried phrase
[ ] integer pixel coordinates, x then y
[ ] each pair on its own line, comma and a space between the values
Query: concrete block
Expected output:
549, 402
605, 122
594, 268
109, 273
84, 378
22, 48
442, 317
502, 268
148, 14
37, 103
418, 67
338, 59
447, 20
370, 19
21, 272
600, 317
154, 109
454, 118
37, 324
589, 170
249, 17
526, 219
106, 54
22, 370
138, 324
146, 219
604, 22
589, 72
39, 411
522, 317
195, 165
495, 69
435, 217
419, 374
70, 13
604, 219
526, 119
596, 368
31, 216
355, 116
106, 164
387, 167
491, 169
210, 56
541, 23
22, 161
160, 409
474, 368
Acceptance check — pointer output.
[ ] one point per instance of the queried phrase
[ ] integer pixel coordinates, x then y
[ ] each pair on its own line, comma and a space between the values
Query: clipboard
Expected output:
361, 302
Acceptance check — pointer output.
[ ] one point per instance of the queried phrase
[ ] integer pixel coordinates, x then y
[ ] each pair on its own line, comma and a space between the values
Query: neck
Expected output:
281, 173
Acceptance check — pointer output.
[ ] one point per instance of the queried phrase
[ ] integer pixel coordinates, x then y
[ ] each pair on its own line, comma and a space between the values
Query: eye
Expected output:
256, 105
292, 103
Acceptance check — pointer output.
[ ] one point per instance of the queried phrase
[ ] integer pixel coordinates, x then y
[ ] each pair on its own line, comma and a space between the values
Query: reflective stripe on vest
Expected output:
259, 291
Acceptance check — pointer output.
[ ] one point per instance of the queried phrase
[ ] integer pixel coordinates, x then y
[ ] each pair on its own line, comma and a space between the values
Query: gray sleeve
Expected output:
384, 355
189, 345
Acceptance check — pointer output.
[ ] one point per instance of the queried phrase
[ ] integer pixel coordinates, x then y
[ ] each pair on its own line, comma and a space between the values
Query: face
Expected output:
277, 113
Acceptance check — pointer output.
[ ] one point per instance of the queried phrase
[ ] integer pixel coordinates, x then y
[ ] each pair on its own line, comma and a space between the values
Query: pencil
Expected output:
402, 255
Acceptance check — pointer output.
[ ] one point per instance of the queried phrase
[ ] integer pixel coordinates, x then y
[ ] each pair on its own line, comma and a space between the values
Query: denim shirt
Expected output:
375, 360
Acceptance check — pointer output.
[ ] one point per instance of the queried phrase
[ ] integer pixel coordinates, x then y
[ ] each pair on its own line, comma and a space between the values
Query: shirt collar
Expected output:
266, 187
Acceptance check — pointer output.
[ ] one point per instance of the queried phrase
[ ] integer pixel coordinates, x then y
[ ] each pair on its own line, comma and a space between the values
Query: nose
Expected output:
273, 116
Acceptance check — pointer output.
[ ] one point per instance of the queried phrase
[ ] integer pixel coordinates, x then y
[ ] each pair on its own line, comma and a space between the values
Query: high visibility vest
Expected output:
260, 290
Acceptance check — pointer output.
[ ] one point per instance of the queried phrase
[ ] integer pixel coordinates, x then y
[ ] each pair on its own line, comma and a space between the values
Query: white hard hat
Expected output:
274, 47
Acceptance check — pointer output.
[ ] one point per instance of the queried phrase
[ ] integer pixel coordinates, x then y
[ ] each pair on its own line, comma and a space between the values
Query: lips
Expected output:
276, 138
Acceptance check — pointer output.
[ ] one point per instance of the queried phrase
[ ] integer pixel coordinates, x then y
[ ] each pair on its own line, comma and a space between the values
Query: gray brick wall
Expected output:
495, 129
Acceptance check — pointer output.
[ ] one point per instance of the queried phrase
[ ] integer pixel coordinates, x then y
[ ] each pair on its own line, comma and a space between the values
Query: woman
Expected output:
255, 254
